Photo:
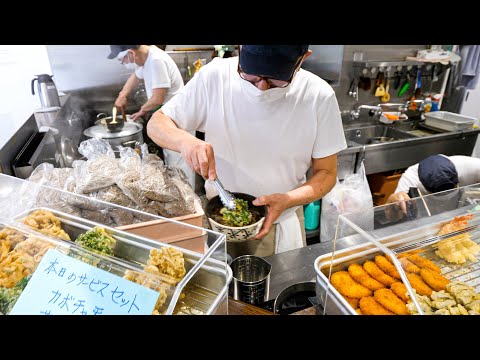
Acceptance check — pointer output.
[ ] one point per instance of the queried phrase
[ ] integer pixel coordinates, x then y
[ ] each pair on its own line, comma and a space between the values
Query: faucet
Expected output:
376, 110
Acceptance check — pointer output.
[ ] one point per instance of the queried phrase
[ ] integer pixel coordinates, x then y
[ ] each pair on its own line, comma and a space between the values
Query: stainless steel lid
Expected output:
101, 131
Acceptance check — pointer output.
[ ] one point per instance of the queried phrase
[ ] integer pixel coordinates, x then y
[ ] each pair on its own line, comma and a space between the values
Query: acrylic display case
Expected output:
202, 289
414, 257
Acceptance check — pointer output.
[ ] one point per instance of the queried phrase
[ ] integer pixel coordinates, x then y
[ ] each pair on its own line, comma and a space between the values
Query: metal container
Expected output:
205, 284
294, 298
47, 91
448, 121
251, 279
131, 131
420, 237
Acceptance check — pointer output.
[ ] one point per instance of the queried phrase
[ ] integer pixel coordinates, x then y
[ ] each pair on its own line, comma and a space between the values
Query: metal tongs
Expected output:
226, 197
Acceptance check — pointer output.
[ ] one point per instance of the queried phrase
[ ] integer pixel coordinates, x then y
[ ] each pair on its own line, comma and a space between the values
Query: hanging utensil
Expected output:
350, 90
396, 82
405, 86
386, 96
380, 90
418, 85
364, 83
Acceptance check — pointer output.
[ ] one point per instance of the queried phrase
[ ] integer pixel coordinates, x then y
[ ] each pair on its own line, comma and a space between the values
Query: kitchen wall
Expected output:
85, 66
18, 66
370, 52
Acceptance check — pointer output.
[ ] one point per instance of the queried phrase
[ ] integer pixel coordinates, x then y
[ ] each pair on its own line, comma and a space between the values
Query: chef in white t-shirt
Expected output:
150, 63
436, 173
162, 82
266, 122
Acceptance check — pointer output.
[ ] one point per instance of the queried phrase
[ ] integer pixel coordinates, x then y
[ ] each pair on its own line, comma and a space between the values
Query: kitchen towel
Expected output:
471, 66
288, 235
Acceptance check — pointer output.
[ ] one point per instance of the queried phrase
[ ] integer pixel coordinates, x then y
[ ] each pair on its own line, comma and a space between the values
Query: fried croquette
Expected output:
359, 311
390, 301
353, 302
417, 283
421, 262
386, 266
360, 275
400, 290
436, 281
399, 256
370, 306
375, 272
409, 266
346, 286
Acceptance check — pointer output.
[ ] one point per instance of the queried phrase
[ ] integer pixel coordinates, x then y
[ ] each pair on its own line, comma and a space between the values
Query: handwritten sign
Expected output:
62, 285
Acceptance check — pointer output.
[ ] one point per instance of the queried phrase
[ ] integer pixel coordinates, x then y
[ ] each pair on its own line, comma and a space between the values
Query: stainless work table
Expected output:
414, 146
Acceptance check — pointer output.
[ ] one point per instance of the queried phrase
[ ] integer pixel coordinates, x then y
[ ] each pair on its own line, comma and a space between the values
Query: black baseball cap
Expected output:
272, 61
117, 49
437, 173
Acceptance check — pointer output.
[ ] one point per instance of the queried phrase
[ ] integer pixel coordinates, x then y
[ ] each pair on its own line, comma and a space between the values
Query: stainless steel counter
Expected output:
297, 265
404, 151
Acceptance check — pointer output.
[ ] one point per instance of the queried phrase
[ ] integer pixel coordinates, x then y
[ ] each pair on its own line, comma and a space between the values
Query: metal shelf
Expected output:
392, 63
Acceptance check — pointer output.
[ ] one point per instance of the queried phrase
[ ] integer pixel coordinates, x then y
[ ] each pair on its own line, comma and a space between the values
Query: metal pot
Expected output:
294, 298
131, 131
102, 118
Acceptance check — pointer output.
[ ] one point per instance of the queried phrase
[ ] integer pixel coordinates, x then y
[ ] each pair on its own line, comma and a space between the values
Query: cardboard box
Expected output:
169, 232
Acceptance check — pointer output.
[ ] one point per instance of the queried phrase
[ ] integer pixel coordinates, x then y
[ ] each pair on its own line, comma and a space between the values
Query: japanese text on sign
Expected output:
62, 285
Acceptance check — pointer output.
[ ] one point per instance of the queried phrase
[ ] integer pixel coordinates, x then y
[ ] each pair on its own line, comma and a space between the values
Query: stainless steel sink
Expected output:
374, 134
403, 147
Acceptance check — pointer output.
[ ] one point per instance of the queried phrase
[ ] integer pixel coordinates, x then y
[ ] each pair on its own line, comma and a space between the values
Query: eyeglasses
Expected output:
272, 82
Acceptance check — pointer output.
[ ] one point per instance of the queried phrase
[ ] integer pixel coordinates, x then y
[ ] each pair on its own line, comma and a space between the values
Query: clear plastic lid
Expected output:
188, 282
414, 257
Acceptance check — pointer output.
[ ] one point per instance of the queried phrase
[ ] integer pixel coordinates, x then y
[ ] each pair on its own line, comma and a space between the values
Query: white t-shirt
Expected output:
160, 71
263, 141
468, 171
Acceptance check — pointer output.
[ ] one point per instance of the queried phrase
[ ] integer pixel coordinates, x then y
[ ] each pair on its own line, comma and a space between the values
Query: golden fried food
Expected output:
458, 249
399, 256
13, 236
409, 266
417, 283
45, 222
458, 223
167, 263
421, 262
359, 311
375, 272
15, 267
5, 247
346, 286
400, 290
360, 275
353, 302
390, 301
369, 306
436, 281
386, 266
